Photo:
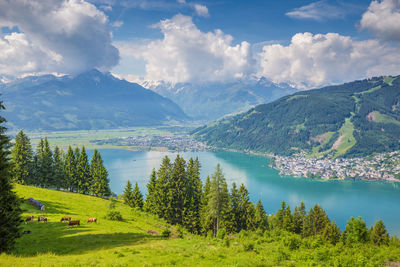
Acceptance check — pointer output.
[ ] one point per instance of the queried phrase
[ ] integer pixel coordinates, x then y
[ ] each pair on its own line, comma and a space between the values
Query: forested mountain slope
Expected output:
353, 119
91, 100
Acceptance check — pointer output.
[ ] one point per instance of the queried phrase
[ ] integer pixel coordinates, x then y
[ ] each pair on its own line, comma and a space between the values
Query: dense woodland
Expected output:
55, 169
295, 122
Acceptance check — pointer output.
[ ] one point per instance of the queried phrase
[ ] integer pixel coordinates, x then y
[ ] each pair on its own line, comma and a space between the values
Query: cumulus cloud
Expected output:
55, 36
201, 10
117, 23
322, 59
187, 54
383, 19
317, 11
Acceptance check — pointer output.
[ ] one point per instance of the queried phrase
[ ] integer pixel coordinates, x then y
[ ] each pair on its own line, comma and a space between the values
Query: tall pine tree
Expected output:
59, 173
84, 178
99, 176
127, 194
21, 159
218, 199
151, 201
10, 211
70, 170
191, 212
137, 197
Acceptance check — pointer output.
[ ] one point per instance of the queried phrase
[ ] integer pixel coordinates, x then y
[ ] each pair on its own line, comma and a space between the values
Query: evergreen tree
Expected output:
234, 210
151, 203
218, 199
59, 173
261, 218
251, 223
355, 232
379, 235
299, 215
331, 233
39, 173
21, 159
244, 202
162, 188
99, 176
177, 192
127, 194
205, 220
284, 218
137, 197
191, 213
83, 172
10, 211
47, 165
315, 222
70, 170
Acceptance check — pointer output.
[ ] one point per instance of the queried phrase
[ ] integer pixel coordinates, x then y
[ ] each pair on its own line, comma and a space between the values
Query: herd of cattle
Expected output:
63, 219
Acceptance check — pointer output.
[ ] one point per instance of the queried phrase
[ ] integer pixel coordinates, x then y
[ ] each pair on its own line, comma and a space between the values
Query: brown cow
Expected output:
29, 219
72, 223
92, 220
65, 219
42, 219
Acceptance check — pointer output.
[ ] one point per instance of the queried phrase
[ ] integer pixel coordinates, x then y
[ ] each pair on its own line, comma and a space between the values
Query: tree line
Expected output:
55, 169
176, 194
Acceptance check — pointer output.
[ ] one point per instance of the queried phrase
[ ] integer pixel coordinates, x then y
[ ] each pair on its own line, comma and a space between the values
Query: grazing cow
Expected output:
29, 219
65, 219
42, 219
72, 223
26, 232
90, 220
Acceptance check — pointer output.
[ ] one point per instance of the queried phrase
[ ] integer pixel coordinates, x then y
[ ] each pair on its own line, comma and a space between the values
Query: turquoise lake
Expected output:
341, 199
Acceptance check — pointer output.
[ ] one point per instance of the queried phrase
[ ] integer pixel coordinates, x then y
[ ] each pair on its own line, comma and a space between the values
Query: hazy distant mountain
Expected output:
91, 100
211, 101
353, 119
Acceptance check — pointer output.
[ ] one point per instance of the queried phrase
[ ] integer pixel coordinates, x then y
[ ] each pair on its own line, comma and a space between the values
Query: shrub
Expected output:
180, 231
166, 233
221, 233
114, 215
292, 242
249, 246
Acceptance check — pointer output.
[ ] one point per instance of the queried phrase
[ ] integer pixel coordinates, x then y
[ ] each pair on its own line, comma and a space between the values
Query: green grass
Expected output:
389, 80
315, 153
348, 140
382, 118
126, 243
371, 90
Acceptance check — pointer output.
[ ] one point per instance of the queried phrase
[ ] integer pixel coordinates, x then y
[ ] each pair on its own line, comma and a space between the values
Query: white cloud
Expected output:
322, 59
201, 10
383, 19
317, 11
55, 36
117, 23
187, 54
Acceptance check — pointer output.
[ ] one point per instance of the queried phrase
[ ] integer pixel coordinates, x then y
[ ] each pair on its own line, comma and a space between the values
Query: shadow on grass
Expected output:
59, 240
51, 208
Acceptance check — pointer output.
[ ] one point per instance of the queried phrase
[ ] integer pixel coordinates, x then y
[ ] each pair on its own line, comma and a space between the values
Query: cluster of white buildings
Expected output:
384, 166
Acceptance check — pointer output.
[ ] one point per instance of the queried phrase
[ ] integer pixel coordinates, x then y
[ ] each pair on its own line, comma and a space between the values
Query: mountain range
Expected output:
353, 119
213, 100
90, 100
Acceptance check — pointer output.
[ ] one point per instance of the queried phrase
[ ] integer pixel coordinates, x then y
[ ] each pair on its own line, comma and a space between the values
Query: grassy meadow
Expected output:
126, 243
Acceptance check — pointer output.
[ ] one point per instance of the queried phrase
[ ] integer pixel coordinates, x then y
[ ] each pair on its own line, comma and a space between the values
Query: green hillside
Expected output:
353, 119
114, 243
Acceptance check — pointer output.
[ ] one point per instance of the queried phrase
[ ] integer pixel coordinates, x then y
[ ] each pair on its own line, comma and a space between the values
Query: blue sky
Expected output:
252, 21
304, 43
